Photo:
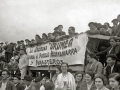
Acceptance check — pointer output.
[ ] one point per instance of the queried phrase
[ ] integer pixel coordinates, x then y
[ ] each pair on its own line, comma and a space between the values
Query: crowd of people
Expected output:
98, 75
105, 29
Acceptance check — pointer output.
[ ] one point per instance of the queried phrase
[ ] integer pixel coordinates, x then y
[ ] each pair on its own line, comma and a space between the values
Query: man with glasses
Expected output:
5, 84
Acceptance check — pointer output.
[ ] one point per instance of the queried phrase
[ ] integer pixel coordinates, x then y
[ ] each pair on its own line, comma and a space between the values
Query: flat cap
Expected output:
112, 55
18, 77
114, 20
49, 86
38, 79
26, 40
28, 78
21, 41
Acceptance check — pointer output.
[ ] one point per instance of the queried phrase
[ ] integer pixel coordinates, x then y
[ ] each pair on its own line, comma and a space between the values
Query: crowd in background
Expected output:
98, 74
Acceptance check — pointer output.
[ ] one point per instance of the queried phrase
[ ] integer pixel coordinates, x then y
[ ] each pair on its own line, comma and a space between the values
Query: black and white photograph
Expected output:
59, 44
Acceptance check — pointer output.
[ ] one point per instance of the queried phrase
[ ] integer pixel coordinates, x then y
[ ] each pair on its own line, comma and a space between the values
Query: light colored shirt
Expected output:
3, 86
112, 68
67, 79
42, 88
23, 61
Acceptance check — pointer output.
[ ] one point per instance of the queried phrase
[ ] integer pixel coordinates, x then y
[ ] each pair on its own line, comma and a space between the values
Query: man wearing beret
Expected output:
112, 65
29, 85
17, 83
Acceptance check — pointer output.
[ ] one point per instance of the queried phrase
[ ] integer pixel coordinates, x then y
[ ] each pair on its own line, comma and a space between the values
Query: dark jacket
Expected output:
116, 69
84, 86
10, 49
9, 86
19, 87
78, 86
115, 50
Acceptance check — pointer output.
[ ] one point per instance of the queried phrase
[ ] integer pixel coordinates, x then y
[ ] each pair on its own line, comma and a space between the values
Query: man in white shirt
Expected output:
65, 80
23, 63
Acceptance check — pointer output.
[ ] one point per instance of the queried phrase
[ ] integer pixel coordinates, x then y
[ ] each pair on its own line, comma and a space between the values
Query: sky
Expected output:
23, 19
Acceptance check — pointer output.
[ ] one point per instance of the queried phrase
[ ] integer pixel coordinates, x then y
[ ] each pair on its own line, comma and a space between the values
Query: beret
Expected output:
32, 40
22, 41
18, 77
38, 79
26, 40
112, 55
114, 20
28, 78
56, 32
49, 86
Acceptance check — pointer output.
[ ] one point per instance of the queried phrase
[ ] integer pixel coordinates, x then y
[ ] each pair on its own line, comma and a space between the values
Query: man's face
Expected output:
110, 62
115, 23
89, 59
4, 75
70, 31
92, 27
64, 68
43, 81
51, 36
15, 80
60, 28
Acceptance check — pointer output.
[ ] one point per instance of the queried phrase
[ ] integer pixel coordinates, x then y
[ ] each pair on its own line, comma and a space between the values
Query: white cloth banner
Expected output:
71, 51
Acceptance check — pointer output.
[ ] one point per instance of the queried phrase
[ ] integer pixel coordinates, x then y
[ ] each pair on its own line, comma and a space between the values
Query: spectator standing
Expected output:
60, 28
108, 28
118, 28
51, 37
38, 82
114, 27
23, 63
9, 52
44, 38
38, 40
1, 48
12, 66
65, 80
5, 84
112, 65
26, 41
93, 29
22, 45
28, 83
16, 80
71, 31
94, 66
